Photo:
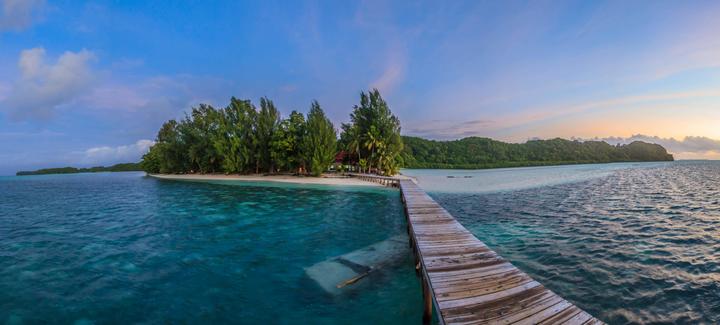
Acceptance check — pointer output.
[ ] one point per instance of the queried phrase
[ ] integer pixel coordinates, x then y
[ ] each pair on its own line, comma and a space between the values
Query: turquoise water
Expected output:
629, 243
124, 248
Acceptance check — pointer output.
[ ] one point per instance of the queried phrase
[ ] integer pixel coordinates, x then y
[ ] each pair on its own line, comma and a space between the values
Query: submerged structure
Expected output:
463, 280
337, 273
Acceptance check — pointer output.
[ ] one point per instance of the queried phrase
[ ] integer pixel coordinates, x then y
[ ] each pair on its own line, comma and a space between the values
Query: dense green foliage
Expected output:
243, 139
287, 143
126, 167
319, 145
477, 152
373, 135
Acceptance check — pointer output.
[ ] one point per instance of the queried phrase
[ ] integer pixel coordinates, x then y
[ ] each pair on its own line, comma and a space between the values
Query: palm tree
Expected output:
355, 143
374, 141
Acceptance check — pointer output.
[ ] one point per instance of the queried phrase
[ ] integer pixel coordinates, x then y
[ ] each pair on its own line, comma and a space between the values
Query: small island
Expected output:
124, 167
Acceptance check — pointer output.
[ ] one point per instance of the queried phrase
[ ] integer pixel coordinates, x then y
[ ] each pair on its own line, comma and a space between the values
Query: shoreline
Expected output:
333, 181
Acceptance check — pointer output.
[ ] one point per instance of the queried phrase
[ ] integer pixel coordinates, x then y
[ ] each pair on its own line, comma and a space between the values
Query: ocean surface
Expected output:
629, 243
119, 248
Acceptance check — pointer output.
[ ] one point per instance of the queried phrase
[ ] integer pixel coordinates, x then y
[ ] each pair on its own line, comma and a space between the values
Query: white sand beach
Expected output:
341, 181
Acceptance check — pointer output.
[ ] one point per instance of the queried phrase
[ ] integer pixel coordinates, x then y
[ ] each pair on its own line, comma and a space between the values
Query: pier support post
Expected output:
427, 301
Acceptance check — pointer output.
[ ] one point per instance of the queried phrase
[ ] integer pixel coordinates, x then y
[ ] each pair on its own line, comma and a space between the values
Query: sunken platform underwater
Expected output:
463, 280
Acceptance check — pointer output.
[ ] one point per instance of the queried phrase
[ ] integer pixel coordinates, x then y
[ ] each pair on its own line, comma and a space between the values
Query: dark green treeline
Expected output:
125, 167
475, 152
242, 138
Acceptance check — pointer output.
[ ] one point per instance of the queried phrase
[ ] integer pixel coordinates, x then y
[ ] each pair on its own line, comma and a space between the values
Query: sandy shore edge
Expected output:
269, 178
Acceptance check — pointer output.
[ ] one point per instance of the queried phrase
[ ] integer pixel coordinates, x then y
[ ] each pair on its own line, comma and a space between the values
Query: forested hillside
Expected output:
475, 152
126, 167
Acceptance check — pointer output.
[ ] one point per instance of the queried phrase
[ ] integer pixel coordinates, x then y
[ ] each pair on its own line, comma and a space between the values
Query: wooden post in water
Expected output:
427, 301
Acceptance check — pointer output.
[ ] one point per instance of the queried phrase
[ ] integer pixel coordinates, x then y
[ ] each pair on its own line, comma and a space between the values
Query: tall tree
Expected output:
171, 148
374, 133
267, 122
234, 138
197, 131
320, 140
287, 143
350, 141
151, 160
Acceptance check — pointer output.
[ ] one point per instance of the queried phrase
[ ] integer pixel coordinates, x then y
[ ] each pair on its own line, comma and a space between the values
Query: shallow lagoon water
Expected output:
124, 248
629, 243
511, 179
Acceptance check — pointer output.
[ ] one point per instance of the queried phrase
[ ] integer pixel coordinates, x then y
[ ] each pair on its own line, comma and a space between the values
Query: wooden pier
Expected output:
466, 282
383, 180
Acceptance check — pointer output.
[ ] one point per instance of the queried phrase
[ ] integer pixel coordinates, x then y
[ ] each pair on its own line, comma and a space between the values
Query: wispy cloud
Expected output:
535, 114
689, 144
141, 105
394, 71
72, 84
95, 156
450, 129
375, 18
111, 155
19, 14
4, 90
22, 135
42, 87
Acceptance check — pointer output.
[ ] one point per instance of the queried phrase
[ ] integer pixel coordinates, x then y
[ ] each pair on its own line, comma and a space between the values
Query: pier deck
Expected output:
466, 281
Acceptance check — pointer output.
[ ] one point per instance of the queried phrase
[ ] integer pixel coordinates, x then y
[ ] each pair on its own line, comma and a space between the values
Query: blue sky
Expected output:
90, 82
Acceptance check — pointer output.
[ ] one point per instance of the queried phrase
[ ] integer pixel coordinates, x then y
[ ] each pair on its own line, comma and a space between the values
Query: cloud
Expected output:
106, 155
139, 106
689, 144
393, 73
513, 123
23, 135
43, 87
374, 17
135, 105
447, 130
19, 14
4, 90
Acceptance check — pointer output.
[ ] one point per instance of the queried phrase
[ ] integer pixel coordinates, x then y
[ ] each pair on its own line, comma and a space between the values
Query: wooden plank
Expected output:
479, 299
563, 317
468, 282
579, 318
546, 313
505, 311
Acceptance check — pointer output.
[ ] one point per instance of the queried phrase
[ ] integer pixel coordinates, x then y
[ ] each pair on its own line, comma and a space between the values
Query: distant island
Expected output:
480, 153
125, 167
